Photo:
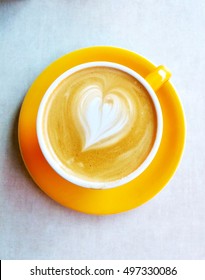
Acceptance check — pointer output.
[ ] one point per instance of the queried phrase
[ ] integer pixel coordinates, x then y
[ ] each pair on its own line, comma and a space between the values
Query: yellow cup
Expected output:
132, 194
151, 83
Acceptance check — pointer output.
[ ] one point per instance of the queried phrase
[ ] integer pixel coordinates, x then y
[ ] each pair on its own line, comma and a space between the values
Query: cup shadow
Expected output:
15, 172
14, 154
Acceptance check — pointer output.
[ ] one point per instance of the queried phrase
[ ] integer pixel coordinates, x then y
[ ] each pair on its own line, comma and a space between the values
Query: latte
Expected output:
99, 124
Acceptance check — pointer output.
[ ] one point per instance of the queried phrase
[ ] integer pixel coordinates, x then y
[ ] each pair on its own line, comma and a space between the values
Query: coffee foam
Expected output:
100, 123
103, 119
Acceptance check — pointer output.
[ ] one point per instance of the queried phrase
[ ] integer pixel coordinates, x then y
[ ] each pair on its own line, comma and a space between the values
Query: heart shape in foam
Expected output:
104, 118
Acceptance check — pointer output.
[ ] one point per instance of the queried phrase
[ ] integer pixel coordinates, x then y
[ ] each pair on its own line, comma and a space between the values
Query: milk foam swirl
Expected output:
99, 124
103, 118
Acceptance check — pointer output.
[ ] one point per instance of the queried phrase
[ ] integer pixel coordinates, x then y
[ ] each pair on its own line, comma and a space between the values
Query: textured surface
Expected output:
32, 35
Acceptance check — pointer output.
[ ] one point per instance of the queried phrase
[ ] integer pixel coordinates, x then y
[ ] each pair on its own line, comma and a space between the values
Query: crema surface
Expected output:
99, 124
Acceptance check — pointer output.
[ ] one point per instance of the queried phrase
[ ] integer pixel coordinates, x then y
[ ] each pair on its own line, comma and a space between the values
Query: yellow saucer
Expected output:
122, 198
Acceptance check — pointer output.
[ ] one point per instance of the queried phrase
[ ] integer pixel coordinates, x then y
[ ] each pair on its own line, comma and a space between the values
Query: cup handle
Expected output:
158, 77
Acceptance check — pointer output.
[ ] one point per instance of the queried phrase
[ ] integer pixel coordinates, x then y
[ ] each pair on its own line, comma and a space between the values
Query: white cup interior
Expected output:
74, 179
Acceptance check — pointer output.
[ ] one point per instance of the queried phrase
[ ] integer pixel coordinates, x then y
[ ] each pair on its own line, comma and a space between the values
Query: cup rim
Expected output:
92, 184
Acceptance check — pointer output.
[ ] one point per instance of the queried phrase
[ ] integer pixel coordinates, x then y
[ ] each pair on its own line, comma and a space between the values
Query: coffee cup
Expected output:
99, 124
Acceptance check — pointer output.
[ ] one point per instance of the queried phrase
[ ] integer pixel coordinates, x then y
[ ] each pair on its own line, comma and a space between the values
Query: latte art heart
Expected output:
103, 118
99, 124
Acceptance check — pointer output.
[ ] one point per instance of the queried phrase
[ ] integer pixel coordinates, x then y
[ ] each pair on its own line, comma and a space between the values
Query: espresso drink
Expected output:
99, 124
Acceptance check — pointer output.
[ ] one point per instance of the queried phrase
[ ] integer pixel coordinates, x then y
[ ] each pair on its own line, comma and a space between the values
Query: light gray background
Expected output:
34, 33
